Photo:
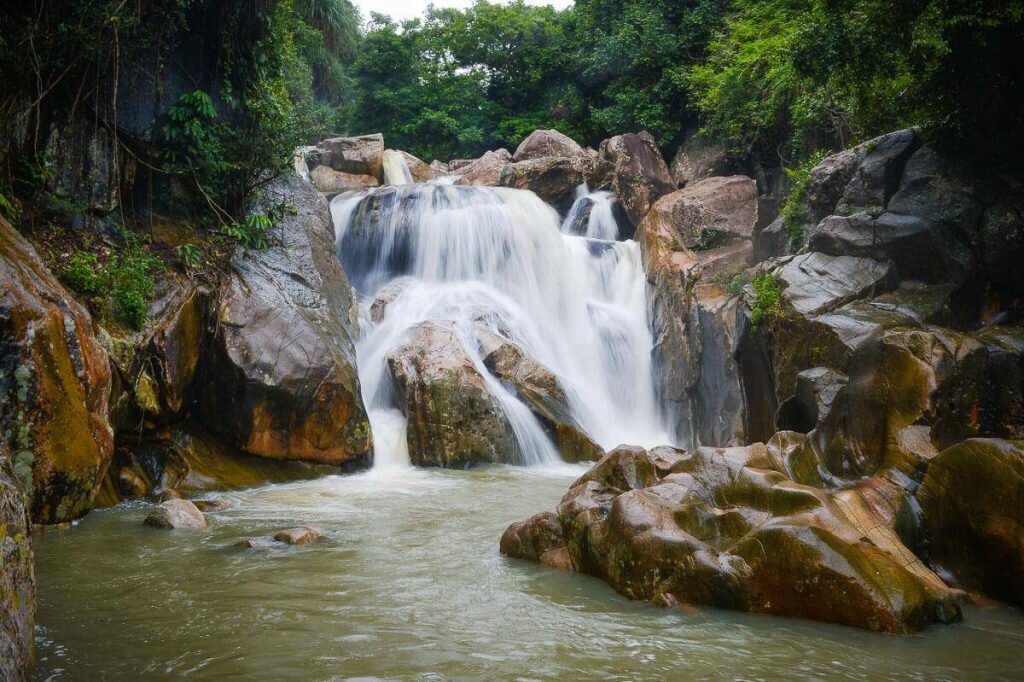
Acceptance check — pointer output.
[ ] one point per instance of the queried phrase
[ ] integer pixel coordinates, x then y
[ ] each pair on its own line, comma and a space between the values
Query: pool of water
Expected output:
408, 584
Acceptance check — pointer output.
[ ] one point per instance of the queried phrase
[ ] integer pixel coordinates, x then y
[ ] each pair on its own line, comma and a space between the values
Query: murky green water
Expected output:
408, 584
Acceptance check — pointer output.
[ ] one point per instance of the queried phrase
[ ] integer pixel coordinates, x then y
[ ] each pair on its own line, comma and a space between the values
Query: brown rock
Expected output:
17, 575
484, 171
357, 155
330, 182
54, 386
640, 176
541, 143
420, 170
299, 536
555, 179
708, 212
697, 159
176, 514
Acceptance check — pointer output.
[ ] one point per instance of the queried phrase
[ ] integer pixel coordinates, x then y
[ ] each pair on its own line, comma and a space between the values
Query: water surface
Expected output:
408, 584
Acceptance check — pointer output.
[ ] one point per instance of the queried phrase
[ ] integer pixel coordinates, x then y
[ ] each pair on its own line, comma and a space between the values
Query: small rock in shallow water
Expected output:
211, 505
255, 543
176, 514
299, 536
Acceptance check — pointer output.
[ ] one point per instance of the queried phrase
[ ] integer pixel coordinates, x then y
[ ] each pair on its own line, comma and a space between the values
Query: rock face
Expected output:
356, 155
640, 175
555, 179
709, 212
330, 182
54, 386
697, 159
483, 171
279, 380
17, 575
541, 143
453, 419
972, 497
420, 170
176, 514
723, 527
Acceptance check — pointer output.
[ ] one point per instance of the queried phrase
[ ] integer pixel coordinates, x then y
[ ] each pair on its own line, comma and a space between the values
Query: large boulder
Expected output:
54, 386
555, 179
724, 528
484, 171
279, 379
420, 170
972, 498
331, 182
640, 176
362, 155
698, 158
541, 143
453, 418
17, 575
176, 514
709, 212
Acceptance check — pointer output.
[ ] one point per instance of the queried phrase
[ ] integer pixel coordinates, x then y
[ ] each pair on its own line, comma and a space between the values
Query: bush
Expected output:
767, 297
793, 208
122, 286
85, 274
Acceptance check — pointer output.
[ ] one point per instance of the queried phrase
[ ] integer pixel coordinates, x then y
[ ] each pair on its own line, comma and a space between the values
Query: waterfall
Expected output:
592, 215
495, 259
396, 170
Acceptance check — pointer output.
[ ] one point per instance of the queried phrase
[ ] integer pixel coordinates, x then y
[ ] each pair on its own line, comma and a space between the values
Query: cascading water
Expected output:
396, 170
493, 260
592, 215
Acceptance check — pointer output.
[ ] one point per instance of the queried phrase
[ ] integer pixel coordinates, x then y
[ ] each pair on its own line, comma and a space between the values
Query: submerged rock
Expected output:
299, 536
176, 514
54, 386
279, 379
722, 527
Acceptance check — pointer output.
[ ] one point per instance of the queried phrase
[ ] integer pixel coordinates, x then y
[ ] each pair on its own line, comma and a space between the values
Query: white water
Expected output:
494, 260
396, 170
600, 224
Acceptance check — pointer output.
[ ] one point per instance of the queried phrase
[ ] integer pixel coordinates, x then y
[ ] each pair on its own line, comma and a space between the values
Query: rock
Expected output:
299, 536
771, 241
721, 527
1002, 242
262, 544
453, 419
640, 176
54, 386
541, 143
357, 155
709, 212
330, 182
972, 496
176, 514
816, 283
420, 171
816, 390
17, 575
484, 171
541, 391
211, 505
698, 159
439, 168
876, 176
555, 179
279, 379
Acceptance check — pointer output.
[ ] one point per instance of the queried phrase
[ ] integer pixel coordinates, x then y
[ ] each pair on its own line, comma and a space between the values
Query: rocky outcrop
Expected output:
555, 179
698, 158
640, 176
972, 497
709, 213
54, 386
484, 171
280, 380
176, 514
356, 155
725, 528
419, 169
17, 575
330, 182
453, 418
543, 143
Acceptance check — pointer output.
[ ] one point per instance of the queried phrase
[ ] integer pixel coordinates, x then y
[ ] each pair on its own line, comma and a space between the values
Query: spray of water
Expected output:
493, 260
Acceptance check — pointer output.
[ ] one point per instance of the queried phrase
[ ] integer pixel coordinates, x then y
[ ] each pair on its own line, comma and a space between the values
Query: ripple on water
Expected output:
408, 584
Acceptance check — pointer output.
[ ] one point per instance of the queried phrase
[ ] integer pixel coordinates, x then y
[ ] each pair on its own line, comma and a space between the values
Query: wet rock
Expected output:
356, 155
555, 179
330, 182
816, 389
211, 505
279, 379
816, 283
640, 176
419, 169
262, 544
453, 419
439, 168
542, 392
176, 514
972, 496
709, 212
541, 143
721, 527
54, 386
17, 575
299, 536
698, 159
484, 171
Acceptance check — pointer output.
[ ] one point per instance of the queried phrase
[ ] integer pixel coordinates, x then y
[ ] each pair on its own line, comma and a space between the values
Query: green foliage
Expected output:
767, 297
735, 285
251, 232
191, 255
121, 287
795, 205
